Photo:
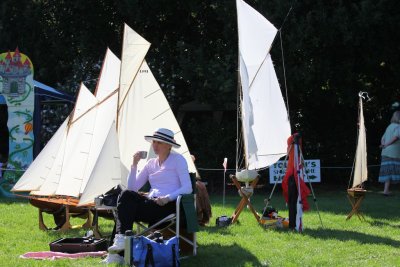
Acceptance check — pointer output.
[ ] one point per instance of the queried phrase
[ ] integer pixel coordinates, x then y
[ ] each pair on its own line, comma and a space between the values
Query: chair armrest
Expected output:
187, 202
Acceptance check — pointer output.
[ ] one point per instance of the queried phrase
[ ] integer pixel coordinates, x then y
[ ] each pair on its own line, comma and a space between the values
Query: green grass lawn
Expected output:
375, 242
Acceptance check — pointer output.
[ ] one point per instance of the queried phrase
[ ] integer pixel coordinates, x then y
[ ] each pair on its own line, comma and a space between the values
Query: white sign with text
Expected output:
312, 171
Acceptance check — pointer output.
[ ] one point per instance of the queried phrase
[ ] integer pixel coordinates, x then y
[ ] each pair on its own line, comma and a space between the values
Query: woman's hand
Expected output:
162, 200
136, 158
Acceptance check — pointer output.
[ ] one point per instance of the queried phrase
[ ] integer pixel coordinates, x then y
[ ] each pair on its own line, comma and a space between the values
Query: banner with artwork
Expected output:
16, 117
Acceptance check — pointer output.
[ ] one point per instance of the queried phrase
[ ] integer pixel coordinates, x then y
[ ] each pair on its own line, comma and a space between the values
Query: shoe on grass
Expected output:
113, 258
119, 244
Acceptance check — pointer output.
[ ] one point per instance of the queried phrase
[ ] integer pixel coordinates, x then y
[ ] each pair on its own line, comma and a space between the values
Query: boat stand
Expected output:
244, 201
355, 198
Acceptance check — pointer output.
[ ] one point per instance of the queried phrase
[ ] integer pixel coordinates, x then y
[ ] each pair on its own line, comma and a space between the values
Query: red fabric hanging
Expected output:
291, 171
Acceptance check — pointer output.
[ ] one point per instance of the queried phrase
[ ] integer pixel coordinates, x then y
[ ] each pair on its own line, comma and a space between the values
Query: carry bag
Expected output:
147, 252
78, 244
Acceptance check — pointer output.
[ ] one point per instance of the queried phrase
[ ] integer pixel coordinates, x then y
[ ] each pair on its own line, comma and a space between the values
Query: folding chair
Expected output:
172, 224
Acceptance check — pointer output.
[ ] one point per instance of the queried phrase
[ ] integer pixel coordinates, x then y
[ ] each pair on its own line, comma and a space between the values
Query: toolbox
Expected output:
79, 244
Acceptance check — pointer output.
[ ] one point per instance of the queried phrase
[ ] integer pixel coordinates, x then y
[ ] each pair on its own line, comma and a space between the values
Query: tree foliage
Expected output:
331, 51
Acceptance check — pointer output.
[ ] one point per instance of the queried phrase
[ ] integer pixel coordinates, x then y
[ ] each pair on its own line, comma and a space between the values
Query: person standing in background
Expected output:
390, 162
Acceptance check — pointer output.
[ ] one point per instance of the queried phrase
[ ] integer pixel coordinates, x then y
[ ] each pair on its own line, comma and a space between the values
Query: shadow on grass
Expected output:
383, 223
222, 255
375, 206
350, 235
217, 229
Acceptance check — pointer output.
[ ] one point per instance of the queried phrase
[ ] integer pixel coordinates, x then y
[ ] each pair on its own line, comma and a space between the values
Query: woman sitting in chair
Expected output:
168, 176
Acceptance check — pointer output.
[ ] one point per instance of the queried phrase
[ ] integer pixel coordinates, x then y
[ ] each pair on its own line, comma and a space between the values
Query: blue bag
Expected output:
147, 252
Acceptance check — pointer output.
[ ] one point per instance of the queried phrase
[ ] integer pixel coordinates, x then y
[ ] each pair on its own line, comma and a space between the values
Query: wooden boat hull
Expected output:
62, 209
50, 205
53, 204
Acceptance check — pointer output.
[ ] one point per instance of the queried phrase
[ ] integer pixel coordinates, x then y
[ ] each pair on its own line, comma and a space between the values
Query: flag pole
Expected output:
225, 163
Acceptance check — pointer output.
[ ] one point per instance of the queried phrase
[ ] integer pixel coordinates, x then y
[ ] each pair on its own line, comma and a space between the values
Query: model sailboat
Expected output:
92, 150
356, 192
263, 114
265, 123
142, 107
65, 163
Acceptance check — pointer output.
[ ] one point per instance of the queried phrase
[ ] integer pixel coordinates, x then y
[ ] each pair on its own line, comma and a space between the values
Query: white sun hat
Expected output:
163, 135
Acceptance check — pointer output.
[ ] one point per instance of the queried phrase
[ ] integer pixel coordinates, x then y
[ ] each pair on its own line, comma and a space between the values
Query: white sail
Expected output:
360, 169
77, 150
142, 104
84, 102
146, 109
266, 126
109, 76
108, 170
106, 92
82, 142
37, 172
134, 49
94, 125
53, 177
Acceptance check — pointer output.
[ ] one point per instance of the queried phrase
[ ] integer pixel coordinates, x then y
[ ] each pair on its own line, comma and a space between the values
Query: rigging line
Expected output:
269, 50
211, 169
283, 61
287, 15
284, 76
241, 142
262, 63
239, 155
266, 201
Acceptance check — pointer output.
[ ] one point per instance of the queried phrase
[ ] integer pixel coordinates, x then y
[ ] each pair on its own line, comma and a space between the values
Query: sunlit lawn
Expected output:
375, 242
